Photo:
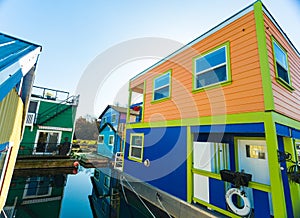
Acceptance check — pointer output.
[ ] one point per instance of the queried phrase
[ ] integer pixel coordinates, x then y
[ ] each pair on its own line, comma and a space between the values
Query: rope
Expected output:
122, 185
138, 196
159, 201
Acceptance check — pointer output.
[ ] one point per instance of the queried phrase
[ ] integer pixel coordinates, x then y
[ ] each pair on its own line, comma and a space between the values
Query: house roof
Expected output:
107, 124
215, 29
117, 108
13, 49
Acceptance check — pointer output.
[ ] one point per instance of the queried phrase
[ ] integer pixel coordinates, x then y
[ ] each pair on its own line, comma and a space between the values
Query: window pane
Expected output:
161, 93
32, 107
211, 77
136, 152
211, 60
282, 73
162, 81
280, 56
111, 140
136, 141
43, 186
255, 151
100, 139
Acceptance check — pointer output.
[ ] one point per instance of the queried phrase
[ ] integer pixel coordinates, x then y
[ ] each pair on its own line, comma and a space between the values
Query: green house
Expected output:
50, 122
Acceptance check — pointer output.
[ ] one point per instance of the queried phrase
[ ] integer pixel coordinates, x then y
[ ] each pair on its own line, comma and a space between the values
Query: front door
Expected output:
253, 159
47, 141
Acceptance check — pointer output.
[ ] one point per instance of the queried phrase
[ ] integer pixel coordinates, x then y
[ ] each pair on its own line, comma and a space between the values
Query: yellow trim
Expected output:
225, 212
142, 148
189, 139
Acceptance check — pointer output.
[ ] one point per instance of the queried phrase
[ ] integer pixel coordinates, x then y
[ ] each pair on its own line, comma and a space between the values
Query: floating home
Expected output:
50, 121
220, 119
111, 133
18, 60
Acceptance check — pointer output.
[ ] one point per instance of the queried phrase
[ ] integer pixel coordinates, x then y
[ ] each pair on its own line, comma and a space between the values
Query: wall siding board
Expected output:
285, 101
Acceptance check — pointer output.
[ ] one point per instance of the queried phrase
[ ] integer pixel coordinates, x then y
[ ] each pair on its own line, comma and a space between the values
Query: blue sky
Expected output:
73, 33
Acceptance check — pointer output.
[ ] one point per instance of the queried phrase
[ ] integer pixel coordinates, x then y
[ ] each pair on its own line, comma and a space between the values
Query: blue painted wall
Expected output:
166, 150
105, 149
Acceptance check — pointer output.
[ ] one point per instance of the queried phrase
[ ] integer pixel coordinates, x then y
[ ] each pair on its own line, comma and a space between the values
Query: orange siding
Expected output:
244, 94
286, 102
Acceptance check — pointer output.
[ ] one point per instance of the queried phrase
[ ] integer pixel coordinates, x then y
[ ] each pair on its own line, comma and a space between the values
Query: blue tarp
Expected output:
4, 146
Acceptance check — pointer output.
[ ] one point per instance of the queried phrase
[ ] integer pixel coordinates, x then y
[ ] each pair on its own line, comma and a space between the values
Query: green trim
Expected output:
263, 56
282, 82
142, 148
253, 185
228, 69
281, 119
225, 212
253, 117
144, 97
278, 199
189, 142
170, 87
290, 146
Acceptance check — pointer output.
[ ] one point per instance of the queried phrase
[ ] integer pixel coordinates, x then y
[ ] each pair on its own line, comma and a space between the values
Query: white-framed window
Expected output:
211, 68
97, 174
113, 118
281, 63
104, 120
161, 86
111, 140
47, 141
106, 181
32, 112
136, 146
101, 139
38, 186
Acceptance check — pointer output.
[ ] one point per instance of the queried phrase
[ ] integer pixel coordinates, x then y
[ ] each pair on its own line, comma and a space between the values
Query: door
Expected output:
211, 157
47, 141
253, 159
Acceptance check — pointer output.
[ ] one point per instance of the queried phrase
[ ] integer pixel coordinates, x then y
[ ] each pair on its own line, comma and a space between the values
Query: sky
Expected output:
74, 34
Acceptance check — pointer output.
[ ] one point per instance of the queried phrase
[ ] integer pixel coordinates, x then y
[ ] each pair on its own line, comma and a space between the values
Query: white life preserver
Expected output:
245, 210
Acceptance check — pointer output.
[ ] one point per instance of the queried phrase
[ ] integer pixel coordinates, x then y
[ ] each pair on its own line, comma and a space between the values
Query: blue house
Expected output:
111, 133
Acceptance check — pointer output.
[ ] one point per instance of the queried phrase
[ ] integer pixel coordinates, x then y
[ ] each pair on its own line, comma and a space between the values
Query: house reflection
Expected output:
36, 193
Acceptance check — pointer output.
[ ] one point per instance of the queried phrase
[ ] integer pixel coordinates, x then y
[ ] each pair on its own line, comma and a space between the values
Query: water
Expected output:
82, 193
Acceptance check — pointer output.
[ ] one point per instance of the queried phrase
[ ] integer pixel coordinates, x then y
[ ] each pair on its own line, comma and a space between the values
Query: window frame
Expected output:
281, 81
134, 158
161, 87
225, 45
113, 140
113, 118
101, 135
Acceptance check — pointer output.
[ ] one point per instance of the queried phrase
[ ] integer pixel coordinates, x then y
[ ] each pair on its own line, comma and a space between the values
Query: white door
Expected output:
211, 157
253, 159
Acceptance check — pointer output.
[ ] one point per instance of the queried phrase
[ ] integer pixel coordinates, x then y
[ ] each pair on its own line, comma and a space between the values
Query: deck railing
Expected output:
30, 119
118, 164
48, 149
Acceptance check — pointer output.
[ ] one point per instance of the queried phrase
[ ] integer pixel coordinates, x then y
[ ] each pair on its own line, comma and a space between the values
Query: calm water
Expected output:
83, 193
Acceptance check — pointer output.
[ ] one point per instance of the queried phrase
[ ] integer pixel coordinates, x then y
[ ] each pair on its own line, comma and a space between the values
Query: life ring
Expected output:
245, 210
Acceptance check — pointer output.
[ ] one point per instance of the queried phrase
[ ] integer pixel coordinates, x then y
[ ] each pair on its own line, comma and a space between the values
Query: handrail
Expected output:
55, 90
54, 110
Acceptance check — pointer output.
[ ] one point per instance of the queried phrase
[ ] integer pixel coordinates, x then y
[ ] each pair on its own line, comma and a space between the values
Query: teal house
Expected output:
111, 133
49, 122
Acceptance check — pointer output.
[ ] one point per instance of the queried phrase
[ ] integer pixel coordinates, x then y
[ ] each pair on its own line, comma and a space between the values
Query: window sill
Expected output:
213, 86
135, 159
160, 100
285, 84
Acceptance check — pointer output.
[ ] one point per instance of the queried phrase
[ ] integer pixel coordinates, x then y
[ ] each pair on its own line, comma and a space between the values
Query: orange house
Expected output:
226, 102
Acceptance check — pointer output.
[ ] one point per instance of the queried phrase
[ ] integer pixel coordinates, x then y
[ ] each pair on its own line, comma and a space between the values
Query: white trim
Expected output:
112, 140
41, 200
37, 137
29, 60
245, 210
200, 38
7, 43
55, 128
7, 72
103, 139
10, 144
25, 196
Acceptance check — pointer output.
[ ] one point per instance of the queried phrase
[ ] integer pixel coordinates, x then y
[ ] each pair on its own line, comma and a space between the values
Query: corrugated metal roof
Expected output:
12, 49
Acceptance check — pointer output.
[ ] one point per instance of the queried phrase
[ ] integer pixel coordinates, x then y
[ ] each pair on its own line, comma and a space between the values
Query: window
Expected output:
38, 187
161, 86
101, 139
281, 63
104, 120
255, 151
136, 147
113, 118
96, 174
211, 68
106, 181
298, 150
111, 140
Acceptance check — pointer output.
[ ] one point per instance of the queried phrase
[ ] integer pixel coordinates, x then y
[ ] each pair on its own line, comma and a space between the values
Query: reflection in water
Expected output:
107, 199
36, 193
